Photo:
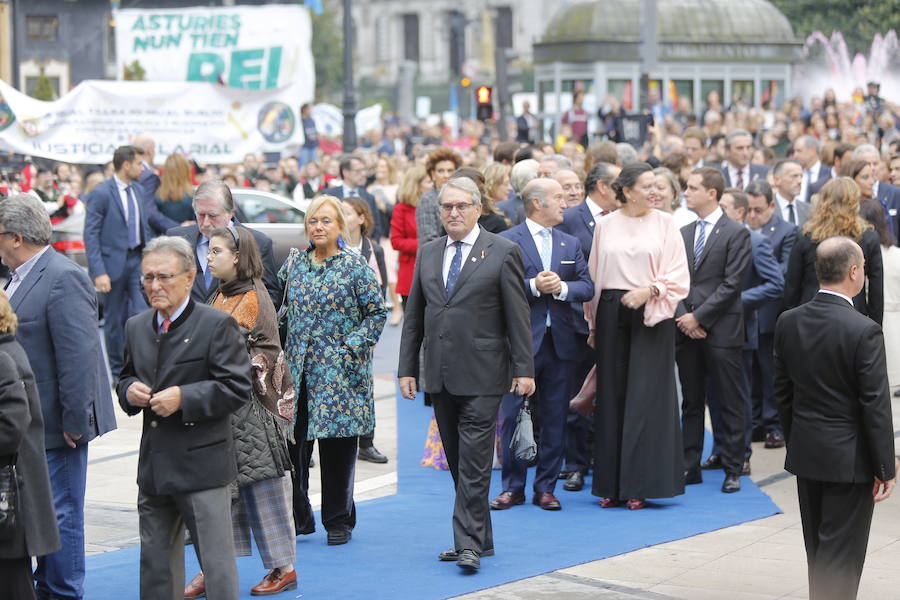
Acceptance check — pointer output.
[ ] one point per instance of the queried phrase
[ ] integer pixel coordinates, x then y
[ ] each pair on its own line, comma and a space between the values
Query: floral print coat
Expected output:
335, 316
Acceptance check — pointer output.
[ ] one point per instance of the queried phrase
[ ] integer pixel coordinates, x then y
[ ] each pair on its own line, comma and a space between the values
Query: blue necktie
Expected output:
455, 267
546, 255
700, 243
134, 238
203, 248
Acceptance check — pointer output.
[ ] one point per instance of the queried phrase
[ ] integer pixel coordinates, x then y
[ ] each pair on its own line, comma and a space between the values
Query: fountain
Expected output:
842, 74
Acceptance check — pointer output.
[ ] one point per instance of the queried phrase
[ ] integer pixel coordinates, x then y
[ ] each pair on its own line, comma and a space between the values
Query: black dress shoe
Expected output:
775, 439
692, 476
371, 455
452, 555
338, 537
574, 482
732, 483
758, 434
745, 468
564, 474
713, 462
468, 560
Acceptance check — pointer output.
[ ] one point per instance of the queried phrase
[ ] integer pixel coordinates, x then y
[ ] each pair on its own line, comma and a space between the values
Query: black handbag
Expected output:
9, 493
522, 443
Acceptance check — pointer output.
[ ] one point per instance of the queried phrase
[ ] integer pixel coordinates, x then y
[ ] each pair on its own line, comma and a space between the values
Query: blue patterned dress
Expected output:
335, 317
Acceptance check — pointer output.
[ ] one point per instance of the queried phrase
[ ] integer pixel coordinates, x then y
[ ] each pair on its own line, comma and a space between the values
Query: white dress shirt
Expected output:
22, 271
535, 230
783, 207
810, 176
450, 250
733, 174
839, 295
596, 210
711, 220
126, 204
349, 191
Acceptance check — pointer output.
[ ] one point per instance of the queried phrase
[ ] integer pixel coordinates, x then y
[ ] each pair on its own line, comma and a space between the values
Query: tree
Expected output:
327, 49
43, 88
857, 20
135, 72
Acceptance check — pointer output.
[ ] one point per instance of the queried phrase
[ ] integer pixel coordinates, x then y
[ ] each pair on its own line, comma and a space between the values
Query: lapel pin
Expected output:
562, 243
474, 259
591, 223
186, 340
482, 255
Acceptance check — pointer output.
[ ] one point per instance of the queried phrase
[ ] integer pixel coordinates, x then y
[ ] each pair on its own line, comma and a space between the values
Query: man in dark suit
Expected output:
118, 222
737, 169
186, 370
579, 222
467, 306
886, 194
833, 398
763, 216
555, 277
711, 320
148, 181
787, 177
526, 125
57, 311
815, 174
353, 174
214, 209
764, 282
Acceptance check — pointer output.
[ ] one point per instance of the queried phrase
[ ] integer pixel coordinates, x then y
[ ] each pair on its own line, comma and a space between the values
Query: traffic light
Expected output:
485, 101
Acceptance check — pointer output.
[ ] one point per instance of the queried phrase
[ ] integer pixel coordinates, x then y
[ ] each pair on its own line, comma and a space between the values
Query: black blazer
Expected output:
477, 339
22, 433
801, 283
831, 388
270, 272
205, 354
717, 281
380, 228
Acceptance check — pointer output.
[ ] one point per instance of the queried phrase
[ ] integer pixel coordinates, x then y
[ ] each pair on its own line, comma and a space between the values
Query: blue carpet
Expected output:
394, 549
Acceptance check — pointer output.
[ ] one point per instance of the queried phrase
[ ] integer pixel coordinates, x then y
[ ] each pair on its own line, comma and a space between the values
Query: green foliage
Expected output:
135, 72
857, 20
43, 89
327, 49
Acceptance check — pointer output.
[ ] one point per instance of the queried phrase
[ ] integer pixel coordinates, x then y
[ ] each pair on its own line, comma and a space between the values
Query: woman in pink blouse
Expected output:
640, 273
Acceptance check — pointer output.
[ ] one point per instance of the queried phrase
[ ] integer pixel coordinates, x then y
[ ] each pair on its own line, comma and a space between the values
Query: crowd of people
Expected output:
619, 291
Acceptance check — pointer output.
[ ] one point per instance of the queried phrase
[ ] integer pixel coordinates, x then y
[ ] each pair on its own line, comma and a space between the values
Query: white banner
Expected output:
206, 122
330, 119
249, 47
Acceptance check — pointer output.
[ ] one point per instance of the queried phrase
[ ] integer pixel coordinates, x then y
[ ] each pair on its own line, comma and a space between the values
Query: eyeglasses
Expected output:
326, 222
162, 278
7, 233
461, 207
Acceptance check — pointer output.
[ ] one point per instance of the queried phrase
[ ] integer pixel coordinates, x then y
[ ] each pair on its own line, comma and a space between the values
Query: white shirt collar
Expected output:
839, 295
470, 237
595, 208
784, 201
534, 227
22, 271
175, 315
713, 217
875, 189
119, 183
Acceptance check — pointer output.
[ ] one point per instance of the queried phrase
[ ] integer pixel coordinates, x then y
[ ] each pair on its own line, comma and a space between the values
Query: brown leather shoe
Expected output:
547, 501
507, 500
196, 588
275, 582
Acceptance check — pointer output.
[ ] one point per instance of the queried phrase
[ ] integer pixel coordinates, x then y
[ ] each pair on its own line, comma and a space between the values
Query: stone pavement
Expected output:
758, 560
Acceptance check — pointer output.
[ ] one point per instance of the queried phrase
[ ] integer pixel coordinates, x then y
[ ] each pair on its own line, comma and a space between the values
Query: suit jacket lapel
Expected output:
438, 264
557, 247
117, 199
587, 216
34, 275
526, 243
688, 234
474, 260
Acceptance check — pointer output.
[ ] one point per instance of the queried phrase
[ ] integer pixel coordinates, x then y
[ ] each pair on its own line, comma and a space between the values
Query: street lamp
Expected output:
349, 137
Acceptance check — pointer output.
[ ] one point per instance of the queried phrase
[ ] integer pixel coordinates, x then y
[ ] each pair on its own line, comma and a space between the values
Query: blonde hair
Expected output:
494, 175
408, 192
837, 212
325, 200
175, 182
8, 320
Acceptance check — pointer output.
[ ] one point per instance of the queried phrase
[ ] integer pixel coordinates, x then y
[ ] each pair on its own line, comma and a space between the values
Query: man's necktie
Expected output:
700, 243
808, 185
203, 247
134, 237
455, 267
739, 180
14, 277
792, 216
164, 327
546, 255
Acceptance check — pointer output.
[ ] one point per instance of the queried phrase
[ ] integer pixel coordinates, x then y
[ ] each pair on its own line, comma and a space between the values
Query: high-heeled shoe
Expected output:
636, 504
610, 503
396, 318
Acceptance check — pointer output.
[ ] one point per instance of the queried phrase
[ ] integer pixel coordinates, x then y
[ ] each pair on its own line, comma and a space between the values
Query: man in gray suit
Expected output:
56, 305
467, 305
186, 370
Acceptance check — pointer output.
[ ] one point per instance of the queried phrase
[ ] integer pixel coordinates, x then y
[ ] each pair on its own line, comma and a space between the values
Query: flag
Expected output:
672, 96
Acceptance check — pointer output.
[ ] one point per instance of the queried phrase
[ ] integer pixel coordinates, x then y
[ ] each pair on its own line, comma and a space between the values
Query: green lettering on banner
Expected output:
157, 42
198, 62
274, 67
139, 24
246, 65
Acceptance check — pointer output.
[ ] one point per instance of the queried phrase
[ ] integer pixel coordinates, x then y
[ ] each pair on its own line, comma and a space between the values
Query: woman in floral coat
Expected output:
335, 316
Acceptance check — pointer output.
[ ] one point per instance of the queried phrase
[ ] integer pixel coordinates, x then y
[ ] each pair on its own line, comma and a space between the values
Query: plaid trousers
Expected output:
266, 508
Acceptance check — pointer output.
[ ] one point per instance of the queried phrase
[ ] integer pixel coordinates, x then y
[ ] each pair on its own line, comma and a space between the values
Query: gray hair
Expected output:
177, 246
736, 133
561, 161
535, 190
601, 171
523, 172
809, 141
465, 184
626, 154
25, 215
214, 189
862, 149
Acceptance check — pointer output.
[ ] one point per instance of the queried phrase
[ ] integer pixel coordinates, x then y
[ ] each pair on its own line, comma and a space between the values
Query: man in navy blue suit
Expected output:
763, 282
579, 221
55, 303
763, 216
353, 173
555, 275
148, 180
737, 169
888, 195
119, 221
